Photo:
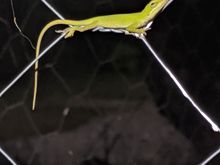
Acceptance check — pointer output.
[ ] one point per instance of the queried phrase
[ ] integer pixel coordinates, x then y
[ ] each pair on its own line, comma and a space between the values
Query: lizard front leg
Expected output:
133, 28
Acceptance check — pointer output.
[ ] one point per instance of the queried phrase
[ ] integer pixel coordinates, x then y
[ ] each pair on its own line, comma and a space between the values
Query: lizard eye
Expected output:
153, 4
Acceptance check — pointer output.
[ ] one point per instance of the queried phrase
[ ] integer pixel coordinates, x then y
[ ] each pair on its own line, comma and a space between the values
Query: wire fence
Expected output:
97, 103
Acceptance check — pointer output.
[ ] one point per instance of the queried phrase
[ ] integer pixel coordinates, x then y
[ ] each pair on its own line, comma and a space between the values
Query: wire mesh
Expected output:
101, 98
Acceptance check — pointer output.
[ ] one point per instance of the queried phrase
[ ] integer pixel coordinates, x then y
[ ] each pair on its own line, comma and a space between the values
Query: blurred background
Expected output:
102, 97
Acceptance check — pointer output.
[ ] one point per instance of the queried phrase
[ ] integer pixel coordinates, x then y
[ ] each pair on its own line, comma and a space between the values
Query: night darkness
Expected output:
103, 99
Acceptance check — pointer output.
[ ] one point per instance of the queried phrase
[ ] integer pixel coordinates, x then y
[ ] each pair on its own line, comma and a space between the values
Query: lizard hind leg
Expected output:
69, 32
133, 29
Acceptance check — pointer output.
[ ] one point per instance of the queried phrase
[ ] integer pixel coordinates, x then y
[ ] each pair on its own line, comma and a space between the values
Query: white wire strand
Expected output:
180, 86
210, 157
30, 65
7, 157
53, 9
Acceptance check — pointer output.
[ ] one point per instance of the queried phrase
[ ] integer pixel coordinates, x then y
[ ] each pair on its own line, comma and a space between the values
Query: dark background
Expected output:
122, 106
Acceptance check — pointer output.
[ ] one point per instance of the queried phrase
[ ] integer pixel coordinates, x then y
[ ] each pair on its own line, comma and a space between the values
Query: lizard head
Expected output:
156, 6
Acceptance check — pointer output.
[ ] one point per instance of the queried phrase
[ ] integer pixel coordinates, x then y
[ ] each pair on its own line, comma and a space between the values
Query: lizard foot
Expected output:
69, 32
135, 34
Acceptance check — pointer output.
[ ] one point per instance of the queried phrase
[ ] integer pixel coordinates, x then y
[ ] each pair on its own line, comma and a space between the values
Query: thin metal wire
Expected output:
30, 65
7, 156
180, 86
53, 9
212, 156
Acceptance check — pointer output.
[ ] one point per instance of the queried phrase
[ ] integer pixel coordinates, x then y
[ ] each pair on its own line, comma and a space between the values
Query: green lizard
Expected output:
132, 23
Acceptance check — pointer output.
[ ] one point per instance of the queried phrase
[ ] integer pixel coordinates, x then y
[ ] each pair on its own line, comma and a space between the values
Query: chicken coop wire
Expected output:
89, 71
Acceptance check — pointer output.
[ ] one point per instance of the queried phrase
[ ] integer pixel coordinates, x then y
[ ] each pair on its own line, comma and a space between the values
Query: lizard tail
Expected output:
43, 31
